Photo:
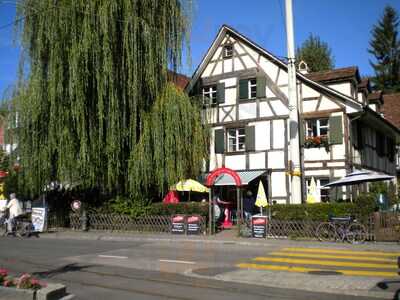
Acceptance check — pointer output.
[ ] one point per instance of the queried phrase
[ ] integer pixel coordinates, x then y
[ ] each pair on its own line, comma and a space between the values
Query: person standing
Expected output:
15, 210
248, 204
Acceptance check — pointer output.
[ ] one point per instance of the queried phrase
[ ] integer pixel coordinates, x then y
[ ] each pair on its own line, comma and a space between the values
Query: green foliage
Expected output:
140, 207
365, 204
316, 53
386, 189
362, 207
385, 47
186, 208
314, 212
125, 206
95, 70
173, 144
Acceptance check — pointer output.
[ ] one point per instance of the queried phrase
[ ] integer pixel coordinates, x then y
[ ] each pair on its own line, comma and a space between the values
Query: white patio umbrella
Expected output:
358, 177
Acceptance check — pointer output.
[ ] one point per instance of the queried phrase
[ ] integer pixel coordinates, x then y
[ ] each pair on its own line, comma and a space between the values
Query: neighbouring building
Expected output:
391, 112
244, 89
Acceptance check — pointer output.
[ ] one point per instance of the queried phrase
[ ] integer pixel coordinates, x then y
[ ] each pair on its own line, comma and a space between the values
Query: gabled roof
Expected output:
336, 75
375, 97
226, 29
364, 85
391, 108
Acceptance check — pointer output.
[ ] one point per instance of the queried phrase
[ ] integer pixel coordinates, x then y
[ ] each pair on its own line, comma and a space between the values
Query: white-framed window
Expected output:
236, 139
228, 51
210, 94
322, 194
317, 127
252, 88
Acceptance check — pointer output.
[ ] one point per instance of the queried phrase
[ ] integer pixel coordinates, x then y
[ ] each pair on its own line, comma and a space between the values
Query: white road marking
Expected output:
178, 261
113, 256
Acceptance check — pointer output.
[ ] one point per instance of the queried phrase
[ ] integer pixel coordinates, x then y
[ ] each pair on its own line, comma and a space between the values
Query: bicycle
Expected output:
340, 229
22, 226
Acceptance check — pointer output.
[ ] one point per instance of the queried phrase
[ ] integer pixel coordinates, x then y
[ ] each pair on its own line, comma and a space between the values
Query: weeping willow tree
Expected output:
173, 142
95, 69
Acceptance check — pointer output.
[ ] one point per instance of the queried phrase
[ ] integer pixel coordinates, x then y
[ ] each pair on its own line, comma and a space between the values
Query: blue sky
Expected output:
344, 24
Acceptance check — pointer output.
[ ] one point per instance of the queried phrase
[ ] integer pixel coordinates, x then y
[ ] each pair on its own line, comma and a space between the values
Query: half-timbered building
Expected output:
244, 90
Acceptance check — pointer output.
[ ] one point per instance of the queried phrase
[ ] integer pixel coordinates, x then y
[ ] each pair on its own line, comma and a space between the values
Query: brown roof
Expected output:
179, 80
375, 97
391, 108
335, 75
364, 84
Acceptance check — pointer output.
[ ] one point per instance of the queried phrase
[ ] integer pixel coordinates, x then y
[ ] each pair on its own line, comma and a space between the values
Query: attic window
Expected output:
228, 51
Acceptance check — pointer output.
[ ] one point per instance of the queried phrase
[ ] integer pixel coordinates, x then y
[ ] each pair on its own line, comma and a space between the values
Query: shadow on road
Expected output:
390, 285
61, 270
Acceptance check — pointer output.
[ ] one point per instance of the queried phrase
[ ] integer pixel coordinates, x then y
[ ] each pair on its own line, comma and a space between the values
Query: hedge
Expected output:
362, 207
187, 208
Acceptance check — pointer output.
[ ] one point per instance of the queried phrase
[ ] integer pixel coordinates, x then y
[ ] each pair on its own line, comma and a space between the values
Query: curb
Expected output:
51, 292
119, 238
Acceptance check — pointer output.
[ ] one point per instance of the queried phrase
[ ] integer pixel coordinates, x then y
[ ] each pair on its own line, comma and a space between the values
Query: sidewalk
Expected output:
215, 239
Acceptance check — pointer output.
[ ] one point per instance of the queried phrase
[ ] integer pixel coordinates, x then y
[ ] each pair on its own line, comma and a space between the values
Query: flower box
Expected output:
317, 142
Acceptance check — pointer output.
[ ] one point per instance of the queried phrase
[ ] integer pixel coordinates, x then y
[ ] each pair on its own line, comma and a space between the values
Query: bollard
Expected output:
84, 220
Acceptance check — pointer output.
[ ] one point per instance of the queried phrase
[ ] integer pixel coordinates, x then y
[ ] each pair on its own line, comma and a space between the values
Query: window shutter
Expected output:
250, 132
221, 92
219, 141
335, 130
243, 89
261, 83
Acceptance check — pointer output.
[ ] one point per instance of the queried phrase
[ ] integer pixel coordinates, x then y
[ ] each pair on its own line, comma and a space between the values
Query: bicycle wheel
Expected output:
326, 232
20, 229
356, 234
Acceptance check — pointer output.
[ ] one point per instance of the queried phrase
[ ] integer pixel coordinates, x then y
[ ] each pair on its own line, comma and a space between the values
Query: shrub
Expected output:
362, 207
124, 206
186, 208
312, 212
140, 207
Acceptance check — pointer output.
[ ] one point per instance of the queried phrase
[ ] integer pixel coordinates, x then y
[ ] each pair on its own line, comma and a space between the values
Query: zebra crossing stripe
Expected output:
307, 270
342, 251
330, 256
325, 262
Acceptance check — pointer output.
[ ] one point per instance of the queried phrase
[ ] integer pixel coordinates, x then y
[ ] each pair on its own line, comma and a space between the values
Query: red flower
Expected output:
3, 272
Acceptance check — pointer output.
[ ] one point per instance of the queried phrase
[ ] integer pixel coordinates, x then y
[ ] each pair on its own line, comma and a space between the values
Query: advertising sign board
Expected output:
259, 226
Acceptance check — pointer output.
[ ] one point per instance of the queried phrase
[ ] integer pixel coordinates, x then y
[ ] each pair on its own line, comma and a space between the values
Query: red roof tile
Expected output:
179, 80
335, 75
391, 108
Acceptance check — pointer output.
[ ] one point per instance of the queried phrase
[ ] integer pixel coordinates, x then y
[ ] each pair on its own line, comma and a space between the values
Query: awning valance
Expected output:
245, 176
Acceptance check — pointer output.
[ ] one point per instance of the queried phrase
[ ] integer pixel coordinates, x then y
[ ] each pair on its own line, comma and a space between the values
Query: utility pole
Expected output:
294, 153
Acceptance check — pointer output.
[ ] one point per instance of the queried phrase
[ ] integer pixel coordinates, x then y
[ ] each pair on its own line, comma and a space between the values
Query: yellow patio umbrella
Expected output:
261, 200
312, 192
190, 185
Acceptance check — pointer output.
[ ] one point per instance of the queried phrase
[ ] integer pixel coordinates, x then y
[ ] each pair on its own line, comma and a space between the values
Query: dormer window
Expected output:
210, 94
228, 51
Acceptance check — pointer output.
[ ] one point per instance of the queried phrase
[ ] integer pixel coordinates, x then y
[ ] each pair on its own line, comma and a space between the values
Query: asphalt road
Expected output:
142, 270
